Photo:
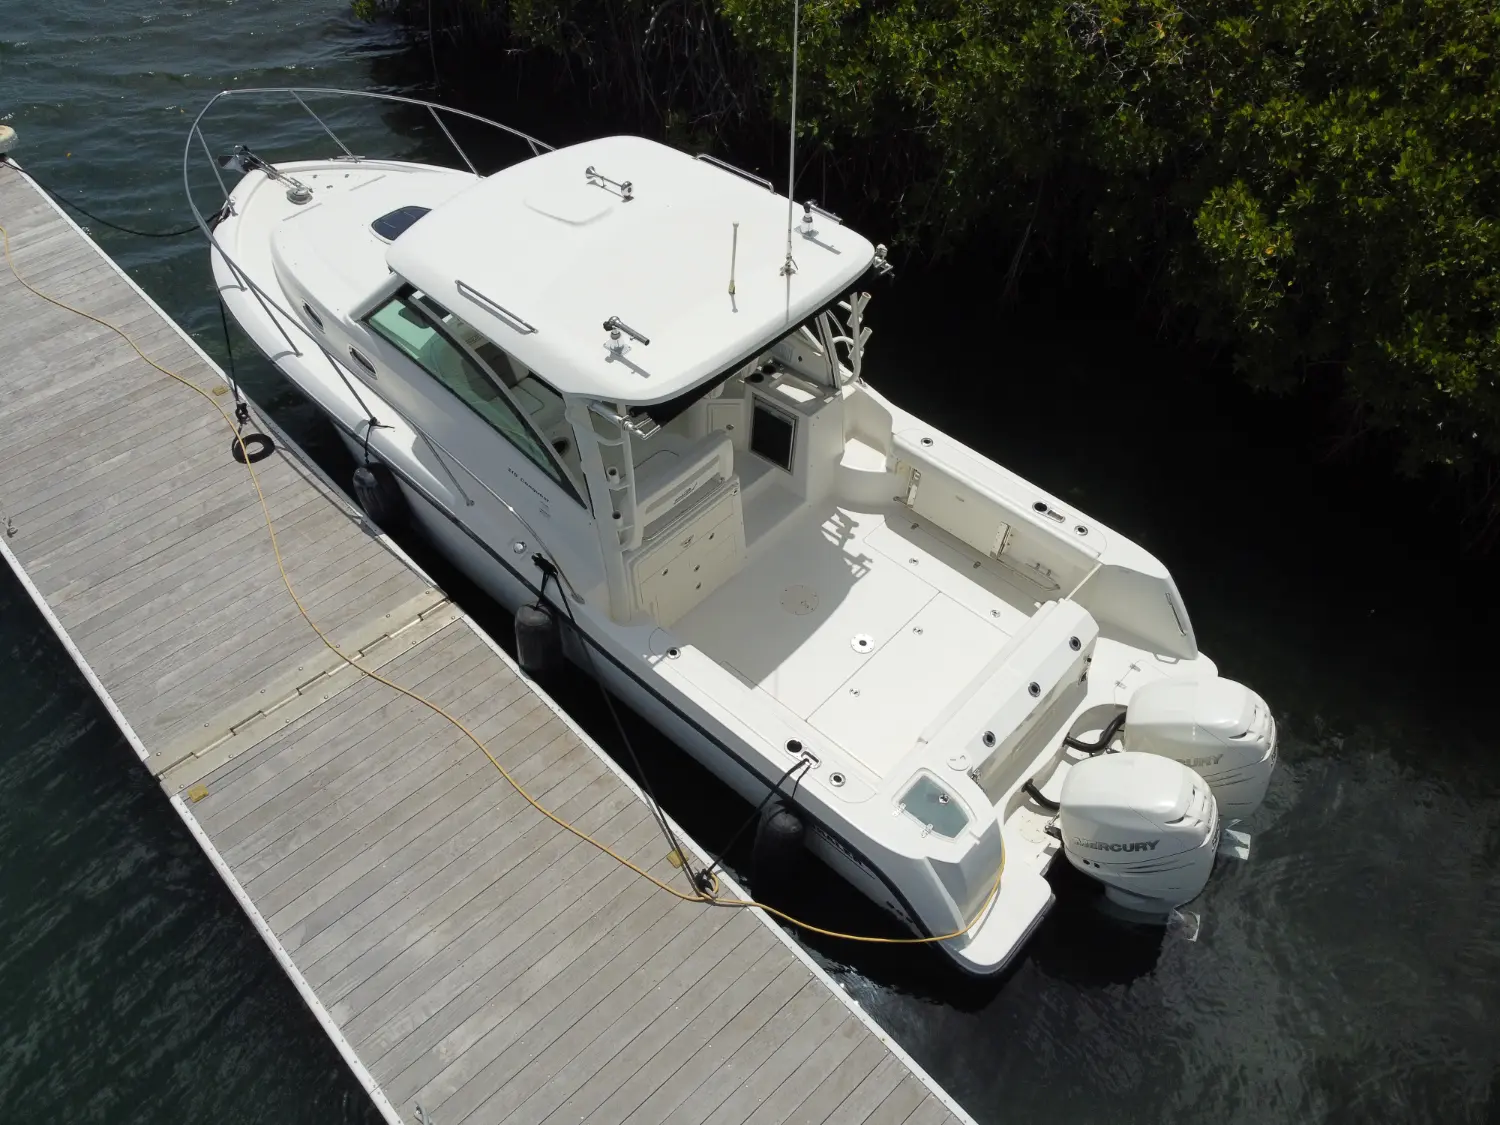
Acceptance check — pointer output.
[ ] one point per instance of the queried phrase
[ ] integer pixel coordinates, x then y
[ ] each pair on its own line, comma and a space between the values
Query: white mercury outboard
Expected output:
1216, 727
1145, 826
1198, 754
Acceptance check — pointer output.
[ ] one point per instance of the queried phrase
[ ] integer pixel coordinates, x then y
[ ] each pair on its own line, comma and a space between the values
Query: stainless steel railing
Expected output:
282, 317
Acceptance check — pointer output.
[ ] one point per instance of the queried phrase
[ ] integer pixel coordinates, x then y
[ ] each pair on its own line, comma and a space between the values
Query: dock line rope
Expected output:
550, 571
87, 214
799, 767
706, 897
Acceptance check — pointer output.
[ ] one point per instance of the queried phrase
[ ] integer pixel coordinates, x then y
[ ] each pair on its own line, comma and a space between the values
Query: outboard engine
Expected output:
1145, 826
1216, 727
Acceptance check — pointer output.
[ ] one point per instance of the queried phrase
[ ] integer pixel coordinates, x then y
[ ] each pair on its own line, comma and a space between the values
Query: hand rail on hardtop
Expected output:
737, 170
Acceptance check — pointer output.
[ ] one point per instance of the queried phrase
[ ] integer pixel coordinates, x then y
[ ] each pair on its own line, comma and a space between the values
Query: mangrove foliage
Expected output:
1314, 184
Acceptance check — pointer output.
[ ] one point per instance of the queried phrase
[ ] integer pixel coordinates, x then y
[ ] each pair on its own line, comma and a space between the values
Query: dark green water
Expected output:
1350, 972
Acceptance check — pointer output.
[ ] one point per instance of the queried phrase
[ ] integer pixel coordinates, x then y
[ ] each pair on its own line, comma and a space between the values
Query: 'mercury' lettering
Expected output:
1133, 846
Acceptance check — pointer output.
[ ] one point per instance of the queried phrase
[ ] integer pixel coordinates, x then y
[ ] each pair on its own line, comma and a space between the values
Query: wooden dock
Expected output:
465, 955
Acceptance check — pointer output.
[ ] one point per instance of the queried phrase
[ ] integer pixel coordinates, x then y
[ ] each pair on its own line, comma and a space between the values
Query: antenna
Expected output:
789, 267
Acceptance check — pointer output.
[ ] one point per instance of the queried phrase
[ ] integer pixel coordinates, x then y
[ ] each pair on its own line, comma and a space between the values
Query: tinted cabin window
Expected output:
425, 338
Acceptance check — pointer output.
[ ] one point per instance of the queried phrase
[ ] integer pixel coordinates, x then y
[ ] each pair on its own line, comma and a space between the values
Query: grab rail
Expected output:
525, 327
728, 167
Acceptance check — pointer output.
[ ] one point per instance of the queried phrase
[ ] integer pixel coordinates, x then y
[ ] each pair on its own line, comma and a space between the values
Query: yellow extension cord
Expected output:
698, 896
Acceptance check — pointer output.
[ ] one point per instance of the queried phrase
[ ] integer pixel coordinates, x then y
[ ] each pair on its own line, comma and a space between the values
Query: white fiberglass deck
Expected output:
461, 952
866, 623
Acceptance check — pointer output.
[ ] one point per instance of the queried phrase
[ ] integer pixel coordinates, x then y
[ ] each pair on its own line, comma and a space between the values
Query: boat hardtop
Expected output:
658, 257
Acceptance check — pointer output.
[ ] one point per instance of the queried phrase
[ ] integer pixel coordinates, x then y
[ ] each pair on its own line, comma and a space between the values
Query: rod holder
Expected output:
615, 326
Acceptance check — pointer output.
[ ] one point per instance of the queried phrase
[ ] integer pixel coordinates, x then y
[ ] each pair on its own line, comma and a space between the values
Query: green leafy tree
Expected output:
1314, 182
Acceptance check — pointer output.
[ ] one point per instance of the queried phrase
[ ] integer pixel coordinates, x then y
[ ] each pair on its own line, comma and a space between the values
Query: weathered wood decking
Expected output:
464, 953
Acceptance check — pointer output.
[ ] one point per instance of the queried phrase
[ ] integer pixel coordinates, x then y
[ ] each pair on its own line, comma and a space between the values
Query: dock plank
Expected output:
619, 1089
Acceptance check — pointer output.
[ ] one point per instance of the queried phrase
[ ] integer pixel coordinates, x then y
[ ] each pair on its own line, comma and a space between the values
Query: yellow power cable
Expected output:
707, 899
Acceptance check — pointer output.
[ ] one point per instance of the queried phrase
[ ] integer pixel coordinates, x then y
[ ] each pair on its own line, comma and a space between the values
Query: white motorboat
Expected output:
641, 371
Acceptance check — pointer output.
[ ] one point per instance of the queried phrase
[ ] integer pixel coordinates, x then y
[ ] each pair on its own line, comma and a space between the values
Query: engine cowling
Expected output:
1145, 826
1218, 728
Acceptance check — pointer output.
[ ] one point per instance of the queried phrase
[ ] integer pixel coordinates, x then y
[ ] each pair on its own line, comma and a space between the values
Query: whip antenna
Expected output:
789, 267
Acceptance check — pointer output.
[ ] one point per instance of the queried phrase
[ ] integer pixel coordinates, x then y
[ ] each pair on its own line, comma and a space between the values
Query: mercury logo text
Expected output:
1133, 846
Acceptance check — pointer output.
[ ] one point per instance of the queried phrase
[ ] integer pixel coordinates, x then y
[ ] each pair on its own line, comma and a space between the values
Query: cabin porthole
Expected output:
312, 316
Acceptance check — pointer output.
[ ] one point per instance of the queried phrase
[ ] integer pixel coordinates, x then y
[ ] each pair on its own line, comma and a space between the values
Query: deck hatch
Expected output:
393, 224
934, 807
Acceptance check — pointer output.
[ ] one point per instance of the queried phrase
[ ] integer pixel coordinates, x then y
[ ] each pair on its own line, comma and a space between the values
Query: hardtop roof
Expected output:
539, 255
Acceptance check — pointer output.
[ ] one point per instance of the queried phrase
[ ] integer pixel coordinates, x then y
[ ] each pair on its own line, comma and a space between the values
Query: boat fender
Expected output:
538, 640
379, 495
777, 853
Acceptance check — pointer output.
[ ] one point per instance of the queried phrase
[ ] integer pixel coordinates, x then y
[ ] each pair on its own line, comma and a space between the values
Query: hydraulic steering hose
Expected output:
1111, 729
1106, 736
1035, 794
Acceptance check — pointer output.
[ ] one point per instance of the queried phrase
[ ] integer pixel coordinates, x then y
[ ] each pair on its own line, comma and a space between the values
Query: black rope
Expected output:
247, 448
699, 881
803, 764
234, 384
87, 214
241, 408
